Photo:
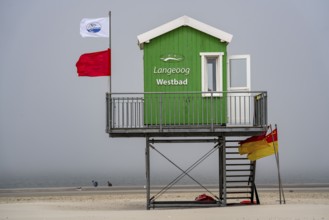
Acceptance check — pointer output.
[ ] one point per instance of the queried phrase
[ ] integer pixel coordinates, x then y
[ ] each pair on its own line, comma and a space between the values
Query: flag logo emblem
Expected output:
94, 27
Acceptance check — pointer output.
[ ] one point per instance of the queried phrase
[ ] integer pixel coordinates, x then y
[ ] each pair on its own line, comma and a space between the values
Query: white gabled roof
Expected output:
183, 21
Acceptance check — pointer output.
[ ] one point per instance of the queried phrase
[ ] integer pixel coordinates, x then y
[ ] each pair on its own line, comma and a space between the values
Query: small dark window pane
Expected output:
211, 71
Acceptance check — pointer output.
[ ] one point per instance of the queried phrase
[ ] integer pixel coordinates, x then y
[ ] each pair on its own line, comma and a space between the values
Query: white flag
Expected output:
94, 27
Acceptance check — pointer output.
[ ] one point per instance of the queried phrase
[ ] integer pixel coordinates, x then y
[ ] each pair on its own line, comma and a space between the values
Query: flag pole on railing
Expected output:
110, 66
110, 77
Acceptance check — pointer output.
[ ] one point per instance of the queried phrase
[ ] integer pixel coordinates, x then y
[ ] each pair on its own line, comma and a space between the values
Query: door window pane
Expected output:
238, 72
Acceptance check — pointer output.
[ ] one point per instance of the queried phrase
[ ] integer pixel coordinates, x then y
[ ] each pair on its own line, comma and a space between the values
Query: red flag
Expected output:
94, 64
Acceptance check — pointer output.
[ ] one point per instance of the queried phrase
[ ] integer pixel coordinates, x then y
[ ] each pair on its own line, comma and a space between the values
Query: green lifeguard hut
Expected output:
195, 90
185, 55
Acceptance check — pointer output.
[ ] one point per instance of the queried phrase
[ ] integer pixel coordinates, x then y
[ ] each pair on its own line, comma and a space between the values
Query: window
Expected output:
238, 73
212, 73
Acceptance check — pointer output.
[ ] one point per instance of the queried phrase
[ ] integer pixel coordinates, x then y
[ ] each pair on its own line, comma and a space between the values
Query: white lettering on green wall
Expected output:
174, 82
172, 70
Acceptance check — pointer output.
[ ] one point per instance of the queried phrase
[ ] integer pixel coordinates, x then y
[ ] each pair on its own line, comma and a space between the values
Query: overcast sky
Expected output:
52, 122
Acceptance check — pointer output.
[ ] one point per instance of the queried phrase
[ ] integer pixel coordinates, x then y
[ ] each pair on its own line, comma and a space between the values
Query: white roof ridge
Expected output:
183, 21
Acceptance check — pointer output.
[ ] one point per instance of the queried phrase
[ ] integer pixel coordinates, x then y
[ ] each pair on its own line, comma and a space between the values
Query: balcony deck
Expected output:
186, 114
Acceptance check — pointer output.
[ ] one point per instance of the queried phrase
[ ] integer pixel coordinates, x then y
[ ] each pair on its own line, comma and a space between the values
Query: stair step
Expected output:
233, 187
239, 164
237, 158
235, 153
239, 197
230, 141
232, 147
237, 192
229, 170
237, 181
250, 176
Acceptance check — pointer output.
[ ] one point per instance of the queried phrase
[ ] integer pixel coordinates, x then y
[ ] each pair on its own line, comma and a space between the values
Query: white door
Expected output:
240, 112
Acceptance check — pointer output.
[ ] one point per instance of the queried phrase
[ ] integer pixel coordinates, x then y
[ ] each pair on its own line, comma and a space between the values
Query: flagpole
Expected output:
278, 158
110, 81
277, 163
110, 78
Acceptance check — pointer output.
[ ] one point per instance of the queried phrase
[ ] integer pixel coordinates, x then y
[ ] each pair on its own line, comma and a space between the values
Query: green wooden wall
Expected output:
184, 75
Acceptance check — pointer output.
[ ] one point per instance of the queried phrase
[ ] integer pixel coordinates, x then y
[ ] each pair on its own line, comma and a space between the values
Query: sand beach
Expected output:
311, 202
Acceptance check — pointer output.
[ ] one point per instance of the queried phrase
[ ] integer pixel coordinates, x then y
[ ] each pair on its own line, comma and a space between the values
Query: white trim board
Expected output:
183, 21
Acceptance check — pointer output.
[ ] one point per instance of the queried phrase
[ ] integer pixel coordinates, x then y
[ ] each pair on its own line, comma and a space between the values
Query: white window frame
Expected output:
247, 87
219, 72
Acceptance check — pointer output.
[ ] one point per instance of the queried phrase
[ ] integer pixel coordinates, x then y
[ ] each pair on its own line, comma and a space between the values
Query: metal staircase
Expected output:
239, 175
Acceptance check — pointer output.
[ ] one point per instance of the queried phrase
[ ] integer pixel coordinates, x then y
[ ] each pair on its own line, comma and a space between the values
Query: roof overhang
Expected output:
183, 21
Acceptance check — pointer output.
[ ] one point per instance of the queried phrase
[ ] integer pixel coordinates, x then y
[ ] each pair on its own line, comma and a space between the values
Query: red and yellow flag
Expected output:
251, 144
260, 146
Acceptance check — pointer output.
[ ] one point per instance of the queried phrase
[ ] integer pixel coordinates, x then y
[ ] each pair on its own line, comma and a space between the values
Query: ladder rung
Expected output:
236, 158
237, 181
231, 147
235, 153
239, 170
239, 164
237, 192
231, 187
239, 197
239, 176
233, 141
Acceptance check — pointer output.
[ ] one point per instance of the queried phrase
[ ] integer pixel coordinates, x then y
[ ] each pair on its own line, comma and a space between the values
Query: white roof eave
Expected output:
183, 21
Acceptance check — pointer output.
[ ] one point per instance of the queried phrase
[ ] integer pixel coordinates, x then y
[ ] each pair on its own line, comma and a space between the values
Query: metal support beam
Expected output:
220, 172
148, 182
254, 189
214, 140
224, 171
252, 181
